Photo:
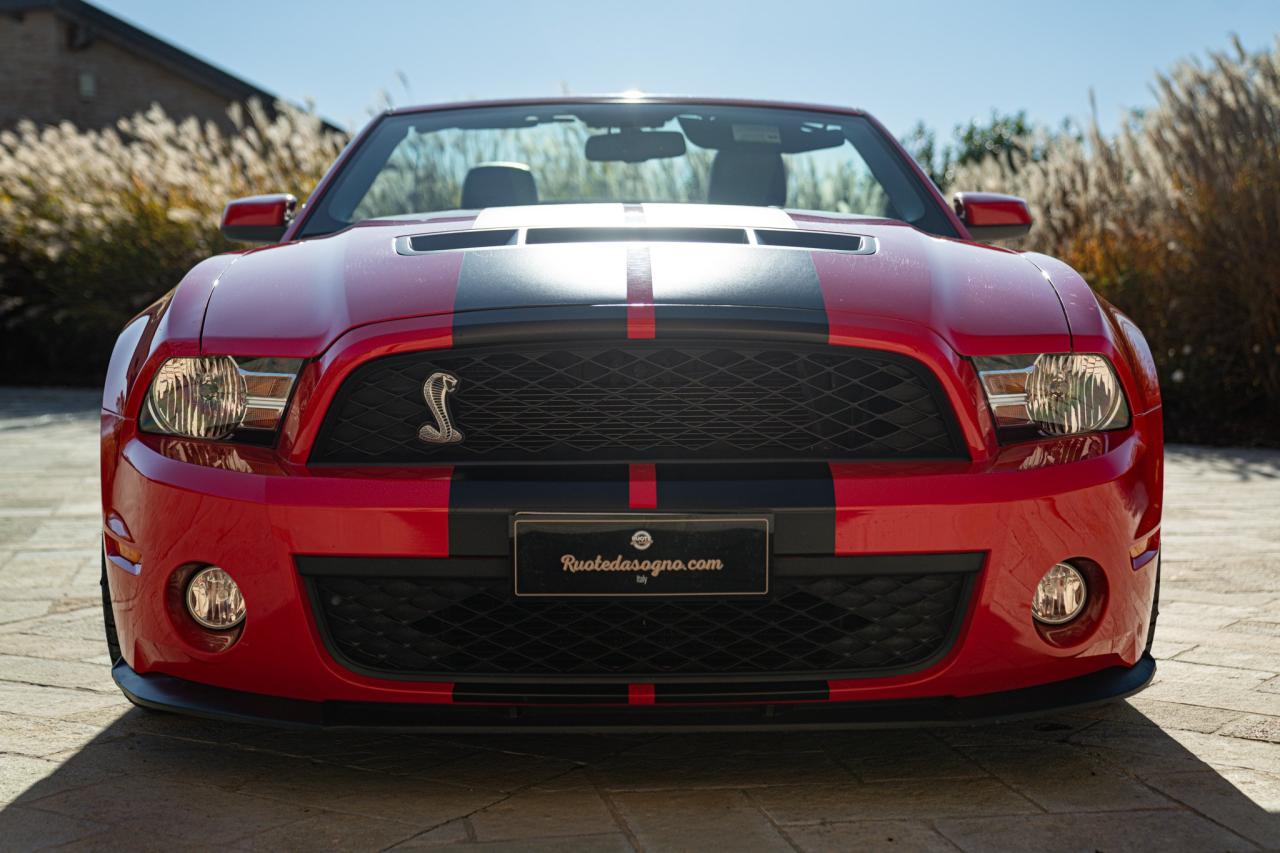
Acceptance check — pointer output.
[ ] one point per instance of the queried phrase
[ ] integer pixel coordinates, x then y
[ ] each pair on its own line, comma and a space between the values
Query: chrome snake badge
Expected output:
436, 391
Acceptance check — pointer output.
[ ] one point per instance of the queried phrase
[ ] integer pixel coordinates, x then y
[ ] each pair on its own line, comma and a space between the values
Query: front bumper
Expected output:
1095, 498
166, 693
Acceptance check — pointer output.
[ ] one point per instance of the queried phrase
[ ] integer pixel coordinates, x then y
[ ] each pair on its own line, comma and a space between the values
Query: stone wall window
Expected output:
87, 83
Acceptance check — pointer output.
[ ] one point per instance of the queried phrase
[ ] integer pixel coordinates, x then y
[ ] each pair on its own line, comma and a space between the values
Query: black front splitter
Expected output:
166, 693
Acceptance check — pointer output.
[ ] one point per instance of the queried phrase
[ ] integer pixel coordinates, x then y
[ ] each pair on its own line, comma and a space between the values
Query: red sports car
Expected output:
629, 412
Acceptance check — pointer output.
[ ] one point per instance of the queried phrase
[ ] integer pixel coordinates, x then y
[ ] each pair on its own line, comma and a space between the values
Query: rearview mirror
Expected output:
992, 216
635, 146
259, 218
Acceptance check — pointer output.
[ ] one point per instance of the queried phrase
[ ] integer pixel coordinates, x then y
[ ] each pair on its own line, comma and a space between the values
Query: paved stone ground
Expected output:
1192, 763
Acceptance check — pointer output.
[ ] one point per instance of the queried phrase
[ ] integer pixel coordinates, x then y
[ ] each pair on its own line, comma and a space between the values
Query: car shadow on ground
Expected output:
1241, 462
1106, 778
80, 768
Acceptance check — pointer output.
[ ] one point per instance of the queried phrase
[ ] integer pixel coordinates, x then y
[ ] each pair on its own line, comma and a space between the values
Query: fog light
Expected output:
214, 600
1059, 596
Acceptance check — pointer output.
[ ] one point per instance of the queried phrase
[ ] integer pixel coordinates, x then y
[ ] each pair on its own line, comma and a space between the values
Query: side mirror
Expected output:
259, 218
992, 216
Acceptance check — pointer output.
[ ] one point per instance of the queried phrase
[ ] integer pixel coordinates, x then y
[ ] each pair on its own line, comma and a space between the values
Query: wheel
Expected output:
1155, 610
109, 617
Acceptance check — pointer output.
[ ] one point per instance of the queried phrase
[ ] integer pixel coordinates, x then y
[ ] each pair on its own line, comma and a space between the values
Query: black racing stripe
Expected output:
482, 500
514, 326
511, 293
773, 278
800, 496
739, 323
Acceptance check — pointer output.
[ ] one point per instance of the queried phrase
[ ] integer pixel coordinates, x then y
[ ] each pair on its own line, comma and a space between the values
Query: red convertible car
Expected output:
629, 412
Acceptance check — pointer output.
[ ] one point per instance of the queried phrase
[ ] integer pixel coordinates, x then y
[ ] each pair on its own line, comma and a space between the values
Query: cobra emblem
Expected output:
436, 391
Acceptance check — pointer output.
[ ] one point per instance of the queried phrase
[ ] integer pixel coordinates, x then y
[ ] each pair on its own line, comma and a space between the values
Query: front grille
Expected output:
449, 626
644, 401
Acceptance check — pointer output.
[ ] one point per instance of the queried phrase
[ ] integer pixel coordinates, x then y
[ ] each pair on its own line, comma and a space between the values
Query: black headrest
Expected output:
747, 176
498, 185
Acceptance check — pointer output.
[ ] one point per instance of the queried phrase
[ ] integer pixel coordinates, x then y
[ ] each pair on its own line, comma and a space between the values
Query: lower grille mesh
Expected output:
448, 626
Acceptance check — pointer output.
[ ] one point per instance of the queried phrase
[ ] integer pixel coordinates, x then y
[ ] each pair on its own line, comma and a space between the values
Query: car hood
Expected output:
296, 299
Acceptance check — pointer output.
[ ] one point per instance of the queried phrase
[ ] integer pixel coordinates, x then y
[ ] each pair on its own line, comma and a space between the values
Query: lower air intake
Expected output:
442, 626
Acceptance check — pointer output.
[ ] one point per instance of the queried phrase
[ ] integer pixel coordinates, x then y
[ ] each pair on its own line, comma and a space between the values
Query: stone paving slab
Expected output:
1192, 763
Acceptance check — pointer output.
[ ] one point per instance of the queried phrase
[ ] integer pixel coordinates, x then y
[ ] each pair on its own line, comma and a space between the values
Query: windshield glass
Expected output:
633, 153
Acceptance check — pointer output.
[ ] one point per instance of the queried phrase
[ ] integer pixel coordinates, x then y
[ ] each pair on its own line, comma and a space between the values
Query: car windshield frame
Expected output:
798, 131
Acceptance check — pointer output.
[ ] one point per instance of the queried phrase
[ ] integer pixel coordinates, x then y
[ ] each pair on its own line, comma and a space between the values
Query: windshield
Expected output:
632, 153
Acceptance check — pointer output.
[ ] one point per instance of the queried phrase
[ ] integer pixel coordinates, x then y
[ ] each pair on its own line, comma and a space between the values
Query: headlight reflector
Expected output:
1053, 393
1069, 394
214, 396
200, 397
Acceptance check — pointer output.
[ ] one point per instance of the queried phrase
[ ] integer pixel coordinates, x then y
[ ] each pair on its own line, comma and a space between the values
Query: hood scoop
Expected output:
452, 241
636, 234
823, 241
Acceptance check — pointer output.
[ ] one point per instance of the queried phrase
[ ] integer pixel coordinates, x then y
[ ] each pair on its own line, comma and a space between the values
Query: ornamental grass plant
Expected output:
95, 225
1175, 219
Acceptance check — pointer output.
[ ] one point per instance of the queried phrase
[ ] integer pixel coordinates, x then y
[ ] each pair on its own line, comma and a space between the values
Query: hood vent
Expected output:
823, 241
828, 241
453, 240
636, 234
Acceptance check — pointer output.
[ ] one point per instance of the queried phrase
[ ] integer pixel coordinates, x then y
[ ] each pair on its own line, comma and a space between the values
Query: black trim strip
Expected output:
542, 694
599, 693
786, 691
965, 562
314, 566
166, 693
403, 567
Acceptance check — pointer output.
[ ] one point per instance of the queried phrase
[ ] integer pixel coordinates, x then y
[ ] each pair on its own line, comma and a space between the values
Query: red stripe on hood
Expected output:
640, 319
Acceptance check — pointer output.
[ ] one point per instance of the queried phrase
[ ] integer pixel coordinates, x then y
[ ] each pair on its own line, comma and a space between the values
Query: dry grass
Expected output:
94, 225
1177, 221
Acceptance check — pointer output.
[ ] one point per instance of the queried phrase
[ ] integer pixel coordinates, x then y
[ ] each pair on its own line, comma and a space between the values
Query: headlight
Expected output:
216, 396
1052, 394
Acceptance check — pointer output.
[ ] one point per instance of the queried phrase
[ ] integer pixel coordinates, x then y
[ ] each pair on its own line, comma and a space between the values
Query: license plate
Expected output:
626, 555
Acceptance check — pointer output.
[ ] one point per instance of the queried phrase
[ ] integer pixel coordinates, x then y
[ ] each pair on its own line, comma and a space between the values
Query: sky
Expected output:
940, 62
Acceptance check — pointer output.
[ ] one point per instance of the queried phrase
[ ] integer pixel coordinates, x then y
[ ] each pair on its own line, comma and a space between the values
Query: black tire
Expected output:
1155, 611
109, 617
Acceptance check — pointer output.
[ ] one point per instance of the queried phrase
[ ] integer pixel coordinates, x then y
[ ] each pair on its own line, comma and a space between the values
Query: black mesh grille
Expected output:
828, 625
611, 403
